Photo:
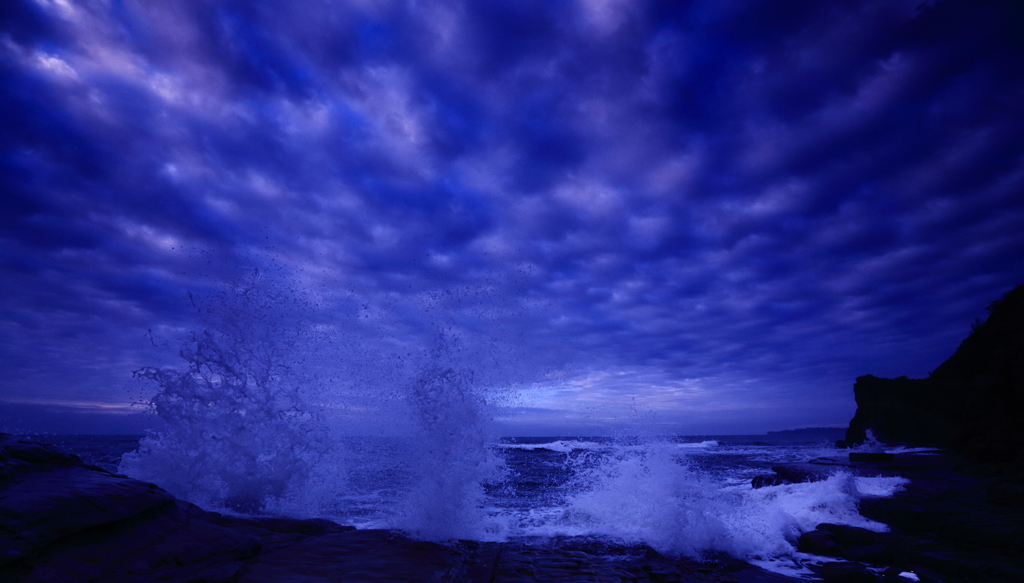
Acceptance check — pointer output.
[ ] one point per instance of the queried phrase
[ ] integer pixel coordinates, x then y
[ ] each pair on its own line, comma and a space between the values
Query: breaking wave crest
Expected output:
653, 495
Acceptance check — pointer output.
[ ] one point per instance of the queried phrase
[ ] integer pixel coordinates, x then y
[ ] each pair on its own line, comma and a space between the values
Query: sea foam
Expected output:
651, 495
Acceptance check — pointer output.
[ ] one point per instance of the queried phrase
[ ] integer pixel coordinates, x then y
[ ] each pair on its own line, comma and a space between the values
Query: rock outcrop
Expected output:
953, 522
972, 403
62, 520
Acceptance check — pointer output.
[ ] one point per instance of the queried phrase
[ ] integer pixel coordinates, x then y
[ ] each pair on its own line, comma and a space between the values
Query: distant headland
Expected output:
973, 403
805, 431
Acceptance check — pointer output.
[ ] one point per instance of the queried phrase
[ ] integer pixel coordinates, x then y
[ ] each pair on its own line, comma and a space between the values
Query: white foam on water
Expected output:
708, 444
653, 495
560, 446
915, 450
880, 487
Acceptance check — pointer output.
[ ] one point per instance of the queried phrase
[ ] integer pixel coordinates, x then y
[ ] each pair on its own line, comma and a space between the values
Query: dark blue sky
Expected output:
710, 215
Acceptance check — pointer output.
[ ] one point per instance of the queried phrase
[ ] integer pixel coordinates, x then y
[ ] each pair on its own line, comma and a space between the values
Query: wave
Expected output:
246, 433
654, 496
560, 446
710, 443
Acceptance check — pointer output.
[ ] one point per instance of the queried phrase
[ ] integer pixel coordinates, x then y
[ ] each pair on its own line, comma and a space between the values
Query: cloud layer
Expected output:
718, 213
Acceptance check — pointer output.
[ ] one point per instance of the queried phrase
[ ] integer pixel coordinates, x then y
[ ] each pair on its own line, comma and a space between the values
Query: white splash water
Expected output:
248, 427
560, 445
238, 432
651, 494
454, 460
247, 430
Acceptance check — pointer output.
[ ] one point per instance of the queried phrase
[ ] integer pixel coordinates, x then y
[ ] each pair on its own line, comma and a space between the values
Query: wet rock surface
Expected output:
590, 560
951, 524
797, 473
64, 521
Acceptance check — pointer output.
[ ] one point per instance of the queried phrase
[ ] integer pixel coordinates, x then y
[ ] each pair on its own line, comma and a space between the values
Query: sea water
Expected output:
279, 408
683, 495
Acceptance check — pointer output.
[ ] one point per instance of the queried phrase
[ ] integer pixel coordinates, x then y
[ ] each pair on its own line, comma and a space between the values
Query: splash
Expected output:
238, 431
653, 494
455, 459
871, 443
277, 411
262, 419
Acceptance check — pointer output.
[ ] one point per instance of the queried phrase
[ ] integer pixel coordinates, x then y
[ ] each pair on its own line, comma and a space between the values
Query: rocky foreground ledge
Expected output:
63, 521
956, 521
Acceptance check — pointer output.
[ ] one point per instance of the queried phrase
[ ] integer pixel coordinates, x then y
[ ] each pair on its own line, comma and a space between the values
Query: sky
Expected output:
707, 217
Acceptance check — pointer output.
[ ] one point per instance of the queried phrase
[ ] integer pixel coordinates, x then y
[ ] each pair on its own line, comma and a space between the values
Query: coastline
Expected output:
955, 521
62, 520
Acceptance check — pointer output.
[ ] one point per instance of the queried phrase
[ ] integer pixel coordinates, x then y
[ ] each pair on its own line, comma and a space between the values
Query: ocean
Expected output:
270, 417
684, 495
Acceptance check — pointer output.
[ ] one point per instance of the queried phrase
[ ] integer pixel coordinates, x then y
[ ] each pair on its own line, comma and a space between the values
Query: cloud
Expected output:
769, 200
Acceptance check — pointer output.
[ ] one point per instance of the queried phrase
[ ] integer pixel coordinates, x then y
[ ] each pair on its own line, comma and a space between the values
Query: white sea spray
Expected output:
654, 495
238, 429
277, 412
266, 413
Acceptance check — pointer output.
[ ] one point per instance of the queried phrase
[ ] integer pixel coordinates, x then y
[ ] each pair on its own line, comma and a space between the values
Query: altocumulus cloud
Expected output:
712, 215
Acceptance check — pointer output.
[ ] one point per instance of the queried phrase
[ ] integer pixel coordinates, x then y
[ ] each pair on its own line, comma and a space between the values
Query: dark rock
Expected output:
944, 525
973, 402
851, 536
793, 474
765, 481
358, 555
588, 560
851, 543
1007, 492
903, 410
309, 526
845, 572
48, 495
875, 554
177, 543
872, 457
819, 542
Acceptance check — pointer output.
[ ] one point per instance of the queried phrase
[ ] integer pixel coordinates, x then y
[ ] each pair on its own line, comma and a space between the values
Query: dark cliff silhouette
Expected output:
972, 403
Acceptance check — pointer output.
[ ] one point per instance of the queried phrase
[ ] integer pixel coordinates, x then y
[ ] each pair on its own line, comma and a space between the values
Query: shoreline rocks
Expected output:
946, 526
63, 521
961, 519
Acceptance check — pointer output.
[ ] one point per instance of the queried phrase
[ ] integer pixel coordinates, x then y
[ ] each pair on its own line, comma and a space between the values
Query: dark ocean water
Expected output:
104, 451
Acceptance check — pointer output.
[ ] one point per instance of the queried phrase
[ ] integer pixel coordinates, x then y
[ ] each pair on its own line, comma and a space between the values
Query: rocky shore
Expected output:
972, 403
64, 521
961, 518
956, 521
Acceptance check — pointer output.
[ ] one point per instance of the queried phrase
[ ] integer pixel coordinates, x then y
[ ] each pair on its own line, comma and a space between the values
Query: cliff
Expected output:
972, 403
